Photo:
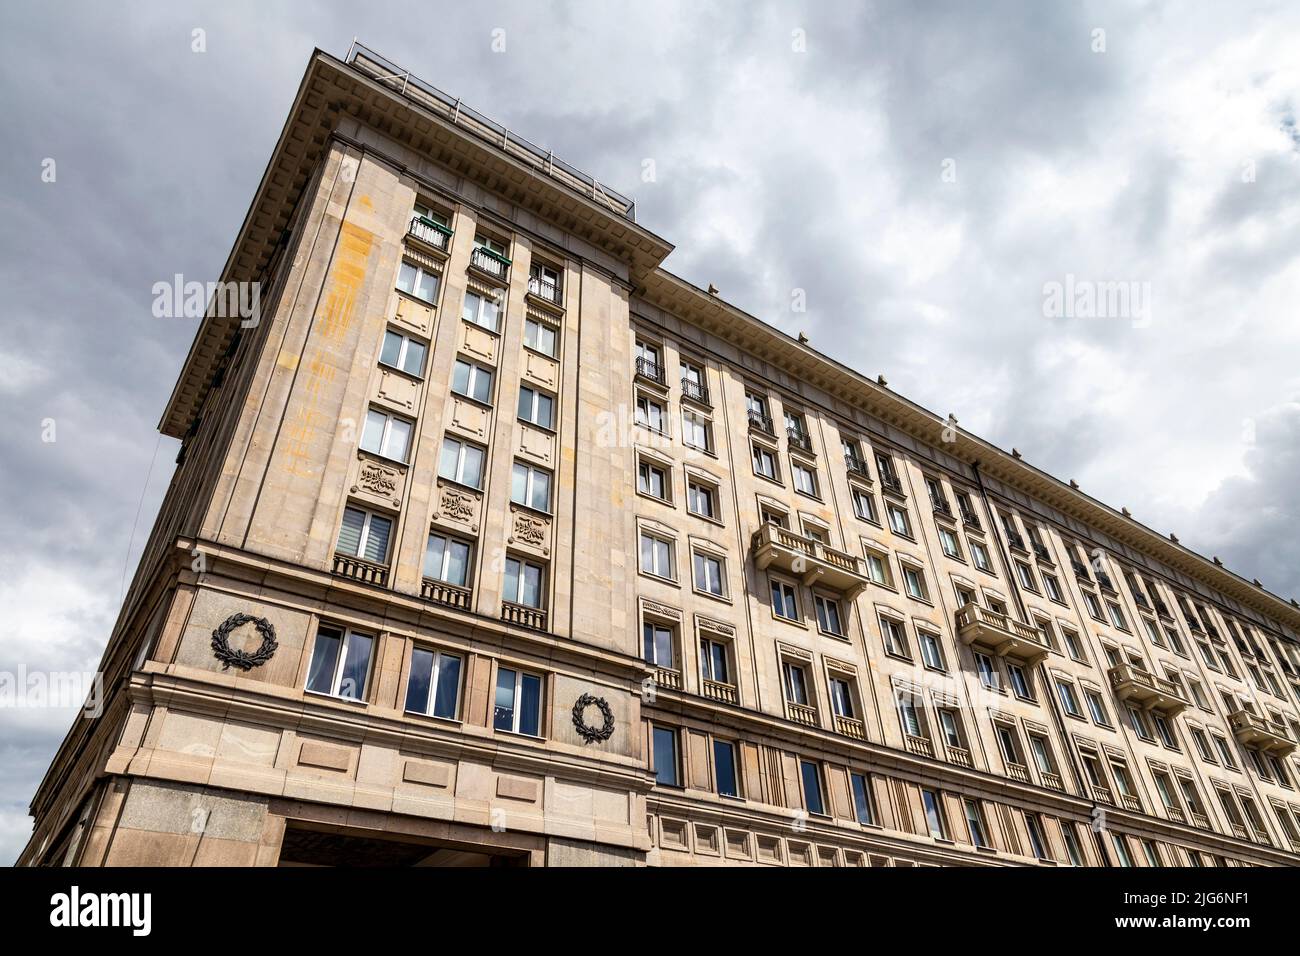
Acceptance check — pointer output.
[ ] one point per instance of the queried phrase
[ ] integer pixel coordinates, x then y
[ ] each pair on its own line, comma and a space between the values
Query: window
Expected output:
1117, 617
652, 480
1071, 839
472, 381
402, 353
898, 520
980, 556
1037, 841
764, 462
530, 487
461, 462
1096, 707
795, 428
931, 651
1138, 723
657, 556
364, 535
693, 384
649, 413
648, 354
658, 644
702, 499
386, 435
1120, 844
910, 715
914, 581
495, 246
481, 311
667, 773
1019, 681
878, 569
950, 544
842, 698
536, 408
811, 774
934, 815
1191, 796
895, 639
828, 615
414, 281
755, 404
1008, 744
433, 687
1093, 605
975, 822
805, 479
862, 799
431, 214
1068, 699
340, 663
708, 574
724, 768
1053, 588
1072, 645
1165, 732
1123, 782
988, 671
544, 281
540, 337
864, 505
518, 704
1042, 751
950, 726
713, 661
446, 559
784, 602
523, 583
796, 684
695, 431
888, 475
1203, 745
1225, 752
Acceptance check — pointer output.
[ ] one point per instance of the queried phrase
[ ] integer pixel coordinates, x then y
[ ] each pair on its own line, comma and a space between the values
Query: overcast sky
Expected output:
922, 171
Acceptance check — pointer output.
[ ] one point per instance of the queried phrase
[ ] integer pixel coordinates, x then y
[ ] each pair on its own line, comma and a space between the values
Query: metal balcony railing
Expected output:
798, 439
1041, 552
490, 263
760, 422
1015, 540
889, 482
650, 370
970, 520
941, 506
695, 391
433, 234
856, 466
546, 291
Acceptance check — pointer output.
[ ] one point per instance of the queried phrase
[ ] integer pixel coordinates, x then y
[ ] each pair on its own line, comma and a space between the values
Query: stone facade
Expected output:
814, 623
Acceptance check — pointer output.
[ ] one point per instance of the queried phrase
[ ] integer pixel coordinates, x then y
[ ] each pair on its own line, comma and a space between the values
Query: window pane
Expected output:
812, 787
399, 436
532, 586
541, 491
417, 687
469, 310
718, 654
530, 705
457, 564
448, 687
460, 377
450, 456
356, 663
392, 349
519, 484
414, 361
512, 580
372, 433
434, 555
503, 713
526, 404
861, 798
377, 539
324, 658
724, 762
350, 532
472, 472
665, 754
544, 406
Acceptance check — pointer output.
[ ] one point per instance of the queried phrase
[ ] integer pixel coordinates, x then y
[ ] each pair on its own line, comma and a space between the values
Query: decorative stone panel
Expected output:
469, 418
398, 391
459, 505
543, 371
530, 529
479, 343
537, 444
413, 315
379, 482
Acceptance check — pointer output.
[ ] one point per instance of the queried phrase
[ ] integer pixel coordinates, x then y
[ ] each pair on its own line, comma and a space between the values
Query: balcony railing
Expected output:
890, 483
358, 570
546, 291
1162, 609
801, 713
1140, 599
695, 391
1041, 552
1018, 771
433, 234
760, 422
1016, 541
533, 618
971, 520
1080, 570
960, 756
918, 745
1176, 814
1104, 580
856, 466
850, 727
1146, 689
667, 677
1131, 802
1052, 781
1199, 820
941, 506
810, 560
448, 595
1259, 732
650, 370
1103, 795
718, 691
976, 624
490, 263
798, 439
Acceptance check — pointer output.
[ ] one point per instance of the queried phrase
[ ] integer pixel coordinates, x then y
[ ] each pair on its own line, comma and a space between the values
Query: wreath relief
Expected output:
245, 661
586, 731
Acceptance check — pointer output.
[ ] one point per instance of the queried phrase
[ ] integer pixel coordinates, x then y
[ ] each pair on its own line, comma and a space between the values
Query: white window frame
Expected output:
385, 433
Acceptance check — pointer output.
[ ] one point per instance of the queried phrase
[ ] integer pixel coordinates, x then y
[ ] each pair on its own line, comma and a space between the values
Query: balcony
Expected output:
850, 727
1131, 802
1176, 814
1200, 820
491, 264
668, 678
941, 506
364, 571
695, 391
547, 292
1107, 585
857, 466
1147, 690
533, 618
801, 713
760, 422
1259, 732
1103, 795
890, 484
798, 439
1018, 771
649, 370
808, 559
1041, 552
715, 690
971, 520
1016, 541
448, 595
432, 234
920, 746
1080, 570
1053, 781
1162, 609
960, 756
1004, 635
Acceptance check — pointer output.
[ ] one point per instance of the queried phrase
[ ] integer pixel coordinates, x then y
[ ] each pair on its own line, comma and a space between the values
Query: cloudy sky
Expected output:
922, 171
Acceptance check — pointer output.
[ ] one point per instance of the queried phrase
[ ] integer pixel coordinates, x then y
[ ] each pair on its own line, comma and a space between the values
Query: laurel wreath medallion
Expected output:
586, 731
245, 661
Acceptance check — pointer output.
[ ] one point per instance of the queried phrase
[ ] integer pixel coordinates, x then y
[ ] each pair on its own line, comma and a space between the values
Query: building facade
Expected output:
493, 543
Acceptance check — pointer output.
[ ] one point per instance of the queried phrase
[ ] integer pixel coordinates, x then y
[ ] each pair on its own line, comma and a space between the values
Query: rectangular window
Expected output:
1039, 747
713, 661
544, 282
894, 637
472, 381
540, 337
864, 505
1026, 576
862, 799
1072, 645
724, 768
708, 574
1117, 617
649, 413
1037, 841
536, 408
1071, 839
1068, 699
667, 773
523, 584
446, 559
701, 499
657, 556
518, 704
481, 311
910, 715
1053, 588
842, 698
934, 814
414, 281
987, 671
696, 431
812, 787
950, 543
1019, 681
796, 684
784, 603
386, 435
914, 581
402, 353
652, 480
340, 663
461, 462
877, 569
1120, 844
1093, 605
1097, 708
433, 687
980, 556
975, 822
364, 535
898, 521
658, 644
805, 479
828, 615
530, 487
764, 462
931, 651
